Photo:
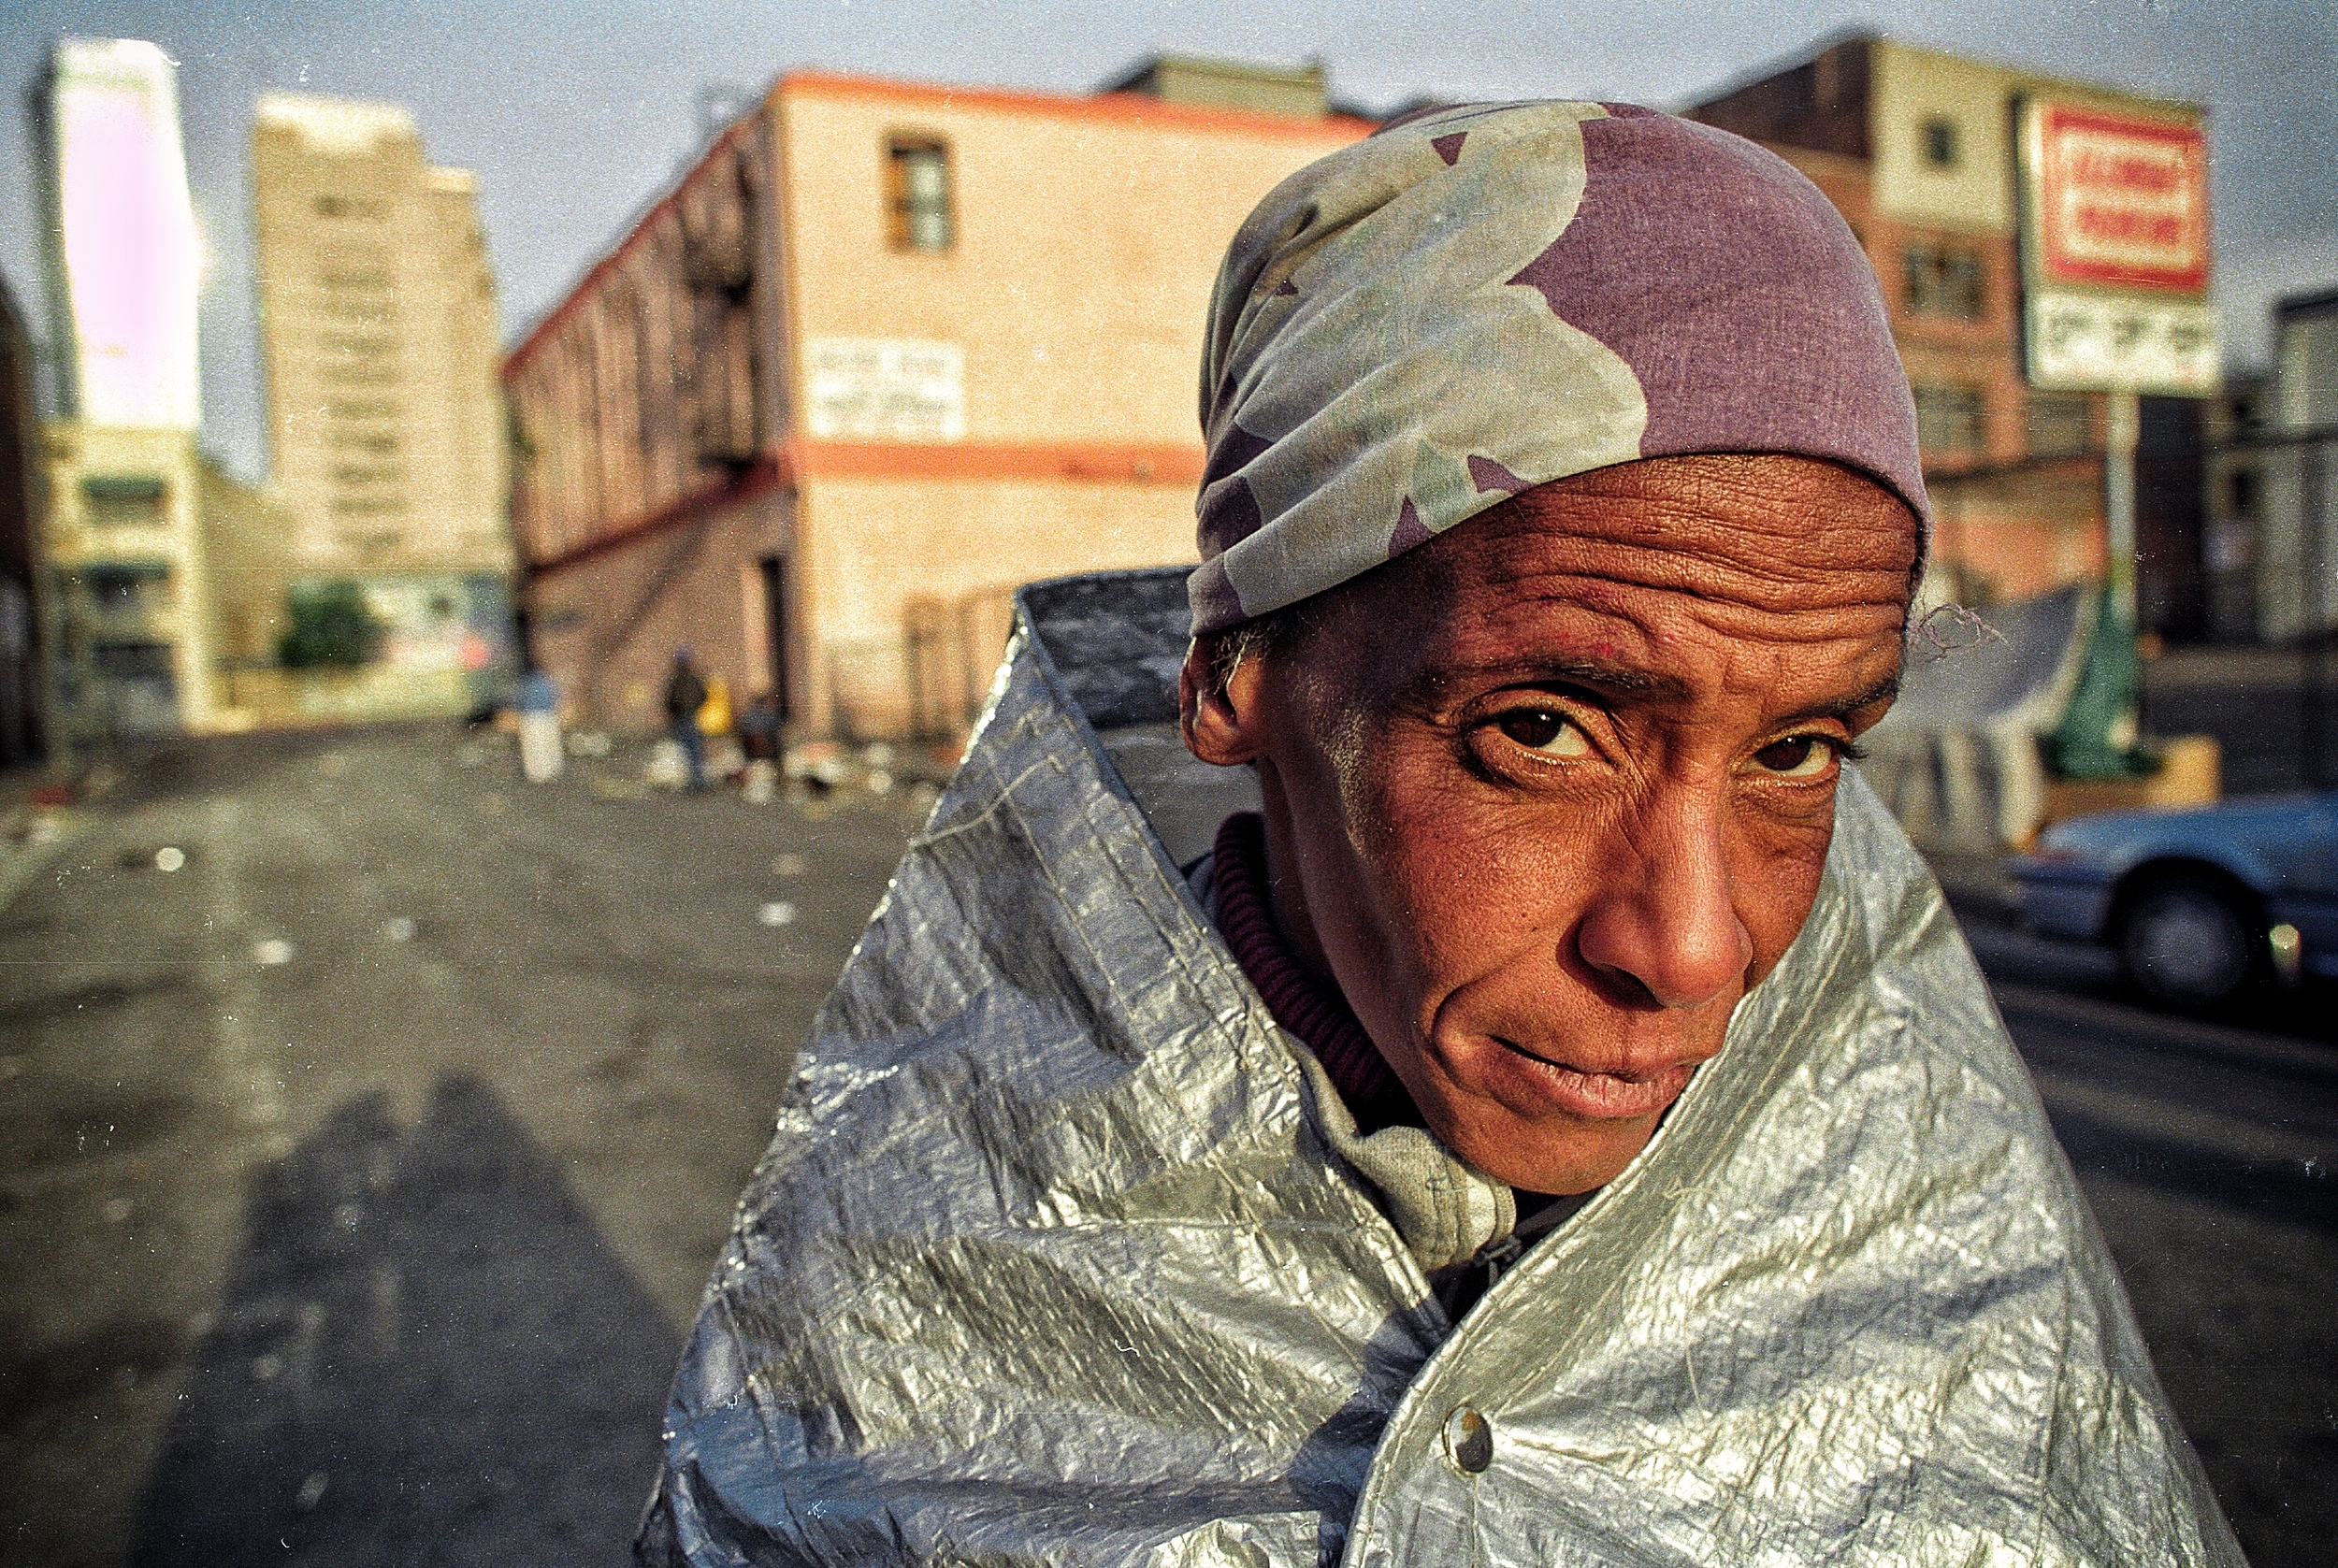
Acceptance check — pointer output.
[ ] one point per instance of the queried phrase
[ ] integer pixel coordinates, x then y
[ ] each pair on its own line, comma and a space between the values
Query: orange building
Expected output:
886, 351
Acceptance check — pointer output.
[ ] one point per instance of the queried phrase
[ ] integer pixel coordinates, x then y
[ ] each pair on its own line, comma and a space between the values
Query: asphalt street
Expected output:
368, 1120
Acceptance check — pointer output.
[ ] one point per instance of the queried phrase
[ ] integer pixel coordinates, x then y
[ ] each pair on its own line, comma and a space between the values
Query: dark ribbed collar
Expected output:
1317, 1014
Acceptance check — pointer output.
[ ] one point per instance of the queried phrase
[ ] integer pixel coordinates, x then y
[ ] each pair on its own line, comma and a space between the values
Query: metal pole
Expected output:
2118, 498
2314, 596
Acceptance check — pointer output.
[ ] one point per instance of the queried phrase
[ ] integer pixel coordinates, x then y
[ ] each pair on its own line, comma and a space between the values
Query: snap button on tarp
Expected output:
1469, 1440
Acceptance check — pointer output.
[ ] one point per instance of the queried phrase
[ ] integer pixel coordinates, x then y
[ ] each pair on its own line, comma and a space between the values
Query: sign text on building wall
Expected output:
874, 389
2080, 341
2121, 200
2116, 244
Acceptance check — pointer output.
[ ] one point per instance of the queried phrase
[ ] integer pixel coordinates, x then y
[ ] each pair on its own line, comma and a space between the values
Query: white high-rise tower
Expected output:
123, 257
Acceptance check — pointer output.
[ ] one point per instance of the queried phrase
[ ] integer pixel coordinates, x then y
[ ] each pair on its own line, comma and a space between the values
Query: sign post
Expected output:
2115, 299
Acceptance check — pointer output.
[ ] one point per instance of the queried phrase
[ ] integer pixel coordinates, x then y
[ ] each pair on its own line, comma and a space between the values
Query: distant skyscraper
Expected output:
122, 253
378, 330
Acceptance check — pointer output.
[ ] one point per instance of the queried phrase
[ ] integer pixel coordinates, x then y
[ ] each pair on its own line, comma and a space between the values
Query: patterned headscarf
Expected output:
1483, 299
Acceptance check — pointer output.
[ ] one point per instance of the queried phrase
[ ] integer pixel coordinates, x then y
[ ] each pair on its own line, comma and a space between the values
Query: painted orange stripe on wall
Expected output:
1090, 462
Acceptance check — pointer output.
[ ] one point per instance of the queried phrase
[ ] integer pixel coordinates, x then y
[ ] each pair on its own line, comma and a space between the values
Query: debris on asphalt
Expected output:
667, 768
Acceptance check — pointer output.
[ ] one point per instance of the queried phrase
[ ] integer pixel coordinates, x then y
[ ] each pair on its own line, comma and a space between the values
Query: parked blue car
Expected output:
2200, 904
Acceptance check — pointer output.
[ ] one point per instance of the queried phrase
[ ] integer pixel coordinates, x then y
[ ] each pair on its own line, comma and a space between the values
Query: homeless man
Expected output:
1563, 1124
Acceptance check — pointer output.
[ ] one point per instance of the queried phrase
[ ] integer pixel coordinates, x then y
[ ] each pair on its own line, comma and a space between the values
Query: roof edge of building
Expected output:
1874, 37
2309, 302
1335, 129
1109, 104
1776, 65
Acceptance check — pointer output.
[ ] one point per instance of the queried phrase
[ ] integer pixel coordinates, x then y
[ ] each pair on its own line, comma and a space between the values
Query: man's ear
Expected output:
1221, 726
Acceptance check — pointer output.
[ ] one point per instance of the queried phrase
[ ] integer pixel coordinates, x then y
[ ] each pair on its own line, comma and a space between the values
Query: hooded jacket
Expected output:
1056, 1256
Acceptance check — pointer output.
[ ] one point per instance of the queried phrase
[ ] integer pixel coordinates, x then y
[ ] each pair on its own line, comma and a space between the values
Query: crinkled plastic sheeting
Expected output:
1048, 1264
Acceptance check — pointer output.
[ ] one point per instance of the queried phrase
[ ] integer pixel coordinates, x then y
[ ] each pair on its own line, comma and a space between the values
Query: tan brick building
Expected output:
886, 351
378, 328
1917, 148
386, 429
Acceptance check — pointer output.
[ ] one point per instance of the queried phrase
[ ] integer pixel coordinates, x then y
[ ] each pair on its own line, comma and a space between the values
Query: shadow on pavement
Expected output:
425, 1354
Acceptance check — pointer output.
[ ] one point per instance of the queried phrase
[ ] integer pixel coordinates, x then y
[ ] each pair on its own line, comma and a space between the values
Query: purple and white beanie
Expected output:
1482, 300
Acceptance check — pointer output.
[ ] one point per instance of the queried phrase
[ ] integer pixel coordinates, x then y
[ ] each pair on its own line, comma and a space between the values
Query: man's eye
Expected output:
1798, 756
1545, 731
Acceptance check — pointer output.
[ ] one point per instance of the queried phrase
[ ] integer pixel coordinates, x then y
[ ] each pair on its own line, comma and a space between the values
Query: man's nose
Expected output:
1662, 923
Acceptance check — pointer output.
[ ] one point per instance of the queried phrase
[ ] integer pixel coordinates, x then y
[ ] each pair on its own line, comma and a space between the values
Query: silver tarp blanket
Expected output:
1051, 1263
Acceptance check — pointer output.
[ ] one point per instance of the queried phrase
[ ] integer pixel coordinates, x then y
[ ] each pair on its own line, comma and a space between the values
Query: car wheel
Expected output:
2188, 943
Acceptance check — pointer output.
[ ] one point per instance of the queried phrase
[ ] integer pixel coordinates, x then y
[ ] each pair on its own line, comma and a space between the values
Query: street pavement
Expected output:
358, 1178
2205, 1148
359, 1175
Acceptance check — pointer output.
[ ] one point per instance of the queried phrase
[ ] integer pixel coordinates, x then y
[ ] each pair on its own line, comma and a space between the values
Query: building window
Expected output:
366, 279
348, 206
361, 345
113, 501
1943, 280
1940, 142
2243, 492
2061, 423
918, 175
132, 661
1949, 420
121, 593
364, 310
367, 506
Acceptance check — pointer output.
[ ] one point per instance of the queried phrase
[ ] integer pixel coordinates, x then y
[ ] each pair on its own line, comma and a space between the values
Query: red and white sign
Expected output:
2122, 201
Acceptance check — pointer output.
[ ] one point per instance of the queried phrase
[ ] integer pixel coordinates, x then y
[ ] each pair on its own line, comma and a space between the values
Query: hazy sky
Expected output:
573, 115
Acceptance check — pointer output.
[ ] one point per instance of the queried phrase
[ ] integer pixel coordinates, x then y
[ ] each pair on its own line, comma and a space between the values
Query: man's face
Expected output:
1547, 795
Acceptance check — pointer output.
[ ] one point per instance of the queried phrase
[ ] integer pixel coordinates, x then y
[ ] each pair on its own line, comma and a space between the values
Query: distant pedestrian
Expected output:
539, 704
686, 694
758, 727
760, 740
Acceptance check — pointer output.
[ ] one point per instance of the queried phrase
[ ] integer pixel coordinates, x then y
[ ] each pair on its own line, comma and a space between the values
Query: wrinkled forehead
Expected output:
1616, 567
1765, 532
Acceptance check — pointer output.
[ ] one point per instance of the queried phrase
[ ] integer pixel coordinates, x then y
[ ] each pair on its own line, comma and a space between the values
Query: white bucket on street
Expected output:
541, 755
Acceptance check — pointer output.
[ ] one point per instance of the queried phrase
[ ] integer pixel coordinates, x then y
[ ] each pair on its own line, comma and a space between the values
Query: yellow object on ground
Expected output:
2190, 774
714, 712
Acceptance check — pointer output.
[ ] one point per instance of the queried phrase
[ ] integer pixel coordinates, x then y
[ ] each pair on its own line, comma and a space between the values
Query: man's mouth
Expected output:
1594, 1092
